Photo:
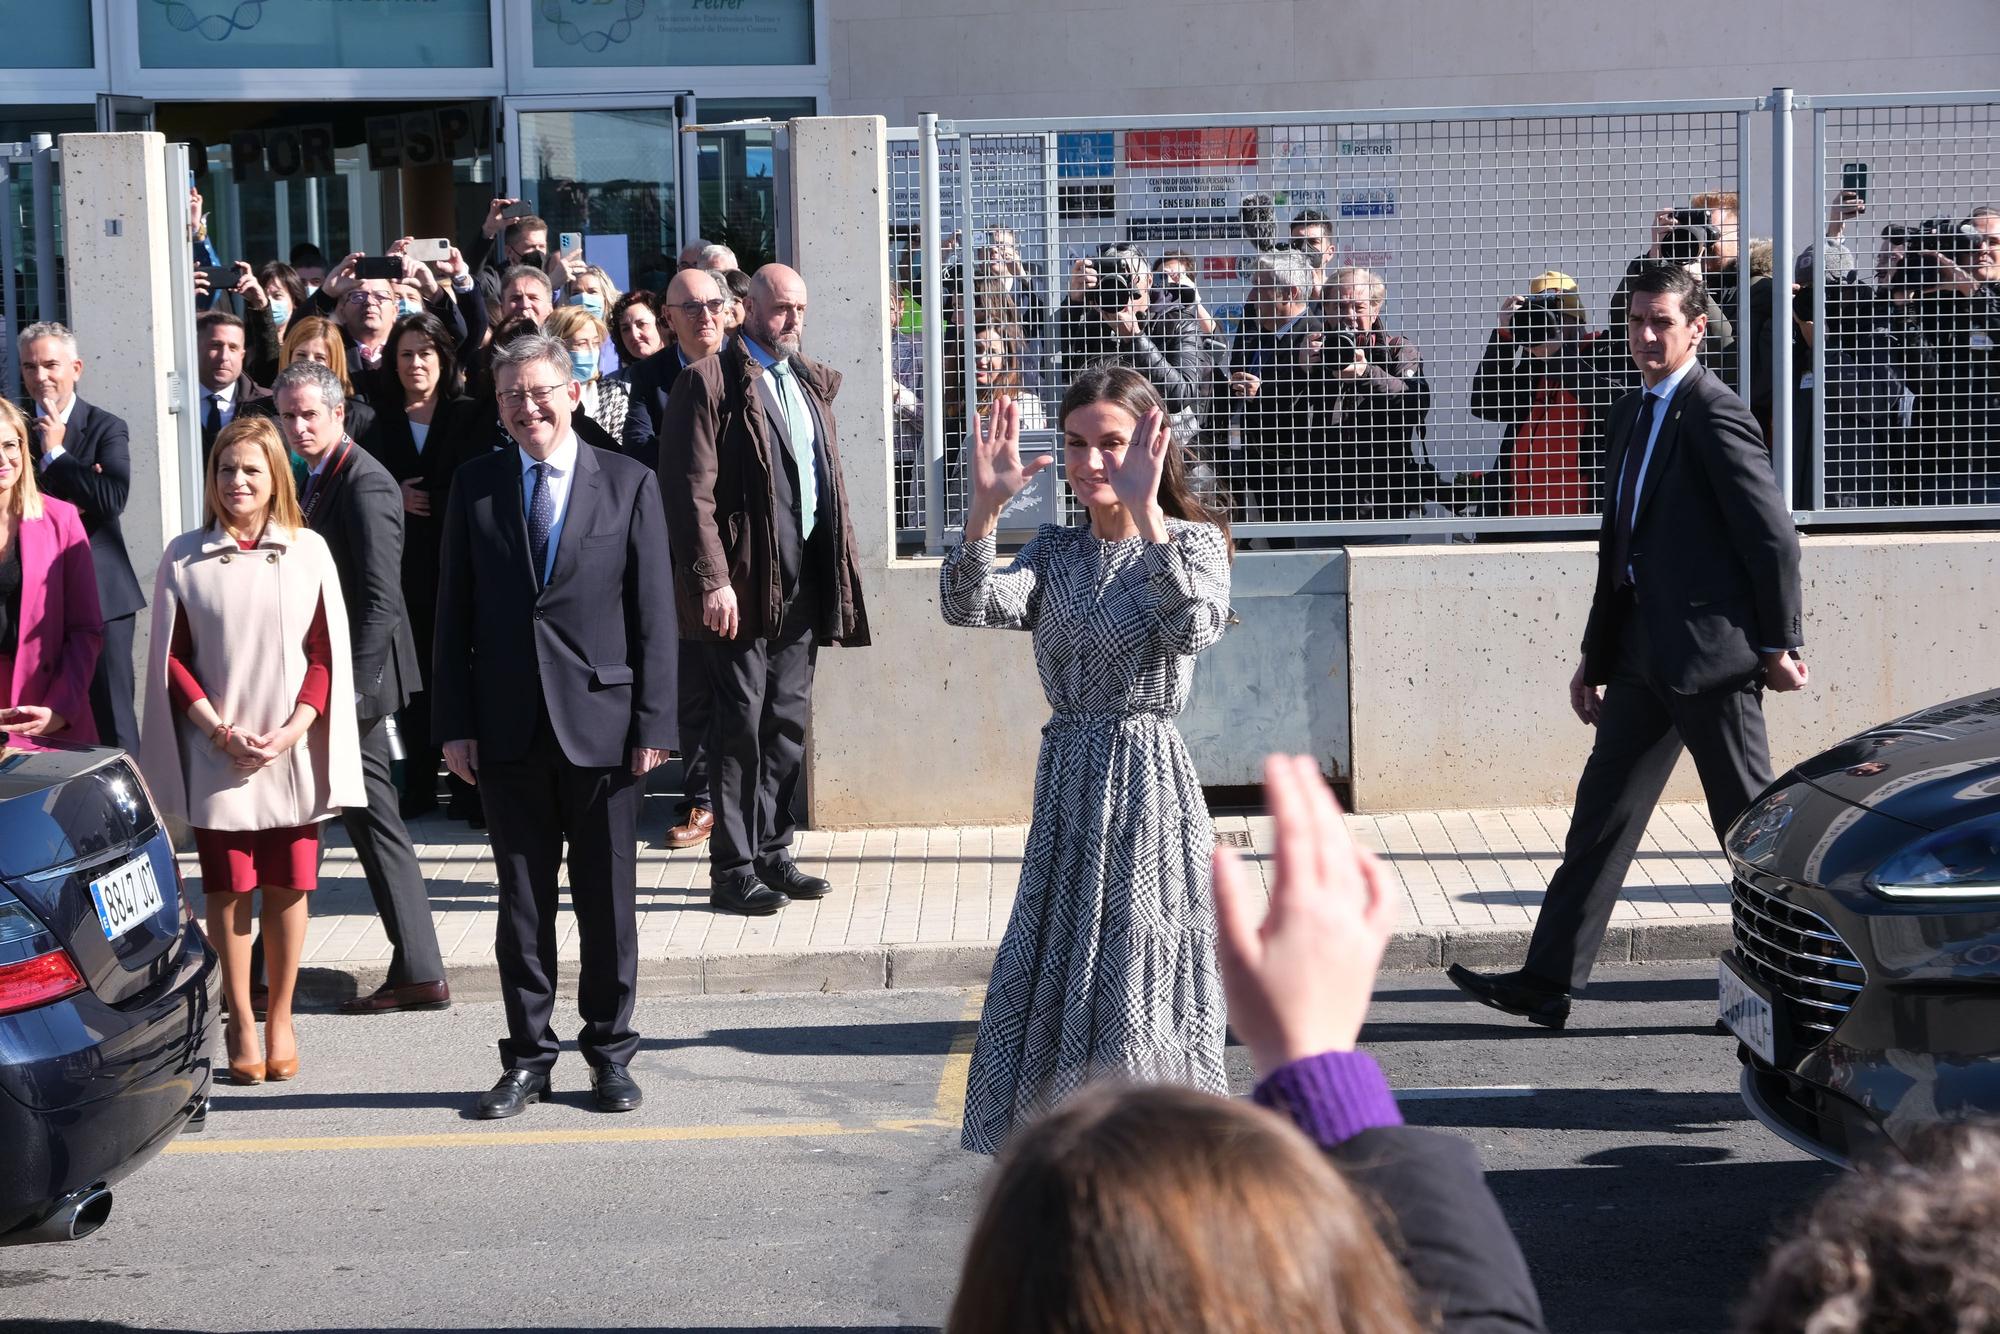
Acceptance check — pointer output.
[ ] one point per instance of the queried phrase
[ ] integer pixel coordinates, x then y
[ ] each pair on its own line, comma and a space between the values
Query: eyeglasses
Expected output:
693, 309
371, 299
543, 394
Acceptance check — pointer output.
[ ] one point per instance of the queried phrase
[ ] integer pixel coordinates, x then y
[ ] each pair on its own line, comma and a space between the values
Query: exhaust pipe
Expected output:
77, 1216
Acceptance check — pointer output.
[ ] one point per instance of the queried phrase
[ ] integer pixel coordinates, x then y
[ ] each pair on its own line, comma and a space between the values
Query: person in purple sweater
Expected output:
1137, 1207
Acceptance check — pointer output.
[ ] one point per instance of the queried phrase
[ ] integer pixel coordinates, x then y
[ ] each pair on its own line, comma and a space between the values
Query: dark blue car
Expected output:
108, 990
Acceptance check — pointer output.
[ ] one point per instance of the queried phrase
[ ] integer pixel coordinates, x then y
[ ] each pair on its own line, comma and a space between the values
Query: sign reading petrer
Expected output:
657, 33
315, 34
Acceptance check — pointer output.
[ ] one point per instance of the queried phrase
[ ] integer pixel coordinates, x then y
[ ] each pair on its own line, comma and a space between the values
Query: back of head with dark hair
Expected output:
738, 283
1155, 1209
1311, 217
1260, 221
306, 255
1671, 280
1131, 391
1896, 1248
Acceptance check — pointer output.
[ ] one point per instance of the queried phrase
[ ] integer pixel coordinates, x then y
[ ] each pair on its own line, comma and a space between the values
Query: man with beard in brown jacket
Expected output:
766, 573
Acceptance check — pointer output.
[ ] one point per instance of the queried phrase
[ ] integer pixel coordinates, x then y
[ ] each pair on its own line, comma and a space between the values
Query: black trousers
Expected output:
382, 845
1640, 735
111, 688
533, 805
696, 708
762, 690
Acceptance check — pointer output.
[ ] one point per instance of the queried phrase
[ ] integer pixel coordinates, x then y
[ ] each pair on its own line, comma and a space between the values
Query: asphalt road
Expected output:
796, 1168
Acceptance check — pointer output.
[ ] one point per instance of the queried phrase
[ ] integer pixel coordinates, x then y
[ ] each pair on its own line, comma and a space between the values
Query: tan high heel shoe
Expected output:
279, 1070
245, 1072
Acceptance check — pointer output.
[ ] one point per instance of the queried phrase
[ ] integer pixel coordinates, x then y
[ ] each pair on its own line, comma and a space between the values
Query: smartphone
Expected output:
379, 266
518, 209
1854, 179
435, 250
569, 243
221, 277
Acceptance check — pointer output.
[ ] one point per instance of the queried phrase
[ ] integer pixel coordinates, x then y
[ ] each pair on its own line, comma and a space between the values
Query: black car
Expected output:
1864, 982
108, 990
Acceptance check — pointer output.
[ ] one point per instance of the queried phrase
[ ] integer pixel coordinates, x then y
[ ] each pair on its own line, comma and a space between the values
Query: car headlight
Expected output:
1962, 862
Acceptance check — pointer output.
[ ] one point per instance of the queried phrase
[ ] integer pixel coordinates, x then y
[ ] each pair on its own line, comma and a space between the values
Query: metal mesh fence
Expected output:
1380, 324
1900, 306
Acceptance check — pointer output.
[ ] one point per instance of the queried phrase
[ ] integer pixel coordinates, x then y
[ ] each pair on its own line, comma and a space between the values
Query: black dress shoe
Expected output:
511, 1096
789, 880
1516, 993
614, 1090
746, 897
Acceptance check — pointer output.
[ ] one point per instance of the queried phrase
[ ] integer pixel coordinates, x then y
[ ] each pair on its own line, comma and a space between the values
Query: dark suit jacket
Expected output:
597, 645
1715, 557
1445, 1226
651, 381
248, 391
359, 511
94, 473
452, 439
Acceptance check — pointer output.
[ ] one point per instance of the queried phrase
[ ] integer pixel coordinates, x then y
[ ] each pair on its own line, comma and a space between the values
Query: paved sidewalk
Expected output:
925, 907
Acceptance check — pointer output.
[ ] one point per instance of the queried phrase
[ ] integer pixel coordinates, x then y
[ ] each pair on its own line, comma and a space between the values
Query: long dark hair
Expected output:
431, 327
1127, 389
288, 278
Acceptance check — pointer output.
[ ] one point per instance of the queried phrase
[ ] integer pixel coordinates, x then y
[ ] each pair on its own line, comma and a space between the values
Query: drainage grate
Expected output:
1233, 838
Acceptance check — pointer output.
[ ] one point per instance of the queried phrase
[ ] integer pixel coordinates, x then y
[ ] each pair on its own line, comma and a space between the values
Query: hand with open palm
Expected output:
998, 474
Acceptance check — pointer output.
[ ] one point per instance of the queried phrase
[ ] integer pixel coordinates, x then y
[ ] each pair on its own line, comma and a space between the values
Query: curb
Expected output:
871, 968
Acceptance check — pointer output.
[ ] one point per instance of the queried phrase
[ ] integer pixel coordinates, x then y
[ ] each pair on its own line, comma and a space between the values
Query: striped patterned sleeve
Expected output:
1188, 577
975, 593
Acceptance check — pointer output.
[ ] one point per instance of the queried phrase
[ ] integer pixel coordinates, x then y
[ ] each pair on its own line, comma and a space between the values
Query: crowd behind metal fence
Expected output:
1413, 323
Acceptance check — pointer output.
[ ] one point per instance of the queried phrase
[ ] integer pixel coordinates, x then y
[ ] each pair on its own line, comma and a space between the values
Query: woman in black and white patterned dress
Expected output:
1108, 963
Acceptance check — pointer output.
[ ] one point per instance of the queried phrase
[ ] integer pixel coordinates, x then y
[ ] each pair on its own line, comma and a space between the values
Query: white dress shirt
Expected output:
562, 468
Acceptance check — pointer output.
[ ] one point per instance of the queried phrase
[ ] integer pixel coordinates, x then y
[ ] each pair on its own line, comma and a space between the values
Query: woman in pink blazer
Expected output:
50, 628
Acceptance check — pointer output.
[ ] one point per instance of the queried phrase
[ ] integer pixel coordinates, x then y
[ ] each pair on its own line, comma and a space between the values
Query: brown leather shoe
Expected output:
694, 831
415, 996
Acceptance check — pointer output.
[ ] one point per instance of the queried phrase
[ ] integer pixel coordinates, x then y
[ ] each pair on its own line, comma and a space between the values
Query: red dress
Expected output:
239, 860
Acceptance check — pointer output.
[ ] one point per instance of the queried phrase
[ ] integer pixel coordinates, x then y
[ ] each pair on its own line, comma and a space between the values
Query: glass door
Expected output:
123, 115
608, 169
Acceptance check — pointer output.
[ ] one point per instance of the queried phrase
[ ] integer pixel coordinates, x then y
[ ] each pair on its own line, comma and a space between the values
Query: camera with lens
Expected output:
1338, 346
1692, 237
1539, 318
1118, 269
1918, 271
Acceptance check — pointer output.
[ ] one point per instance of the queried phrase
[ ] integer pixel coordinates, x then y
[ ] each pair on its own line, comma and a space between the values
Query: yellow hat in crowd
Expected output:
1553, 281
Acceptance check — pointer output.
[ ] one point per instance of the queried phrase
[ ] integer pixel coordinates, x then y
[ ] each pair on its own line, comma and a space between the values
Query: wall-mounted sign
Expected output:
284, 152
425, 138
315, 34
655, 33
58, 37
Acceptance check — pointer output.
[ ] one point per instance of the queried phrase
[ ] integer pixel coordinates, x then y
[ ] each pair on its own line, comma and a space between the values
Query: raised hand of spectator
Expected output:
1357, 368
491, 227
248, 287
1245, 385
202, 289
455, 266
1510, 303
1664, 221
1082, 277
572, 264
1299, 981
340, 279
1847, 208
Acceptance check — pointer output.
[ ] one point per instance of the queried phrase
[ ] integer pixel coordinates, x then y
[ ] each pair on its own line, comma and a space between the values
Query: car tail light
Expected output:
34, 967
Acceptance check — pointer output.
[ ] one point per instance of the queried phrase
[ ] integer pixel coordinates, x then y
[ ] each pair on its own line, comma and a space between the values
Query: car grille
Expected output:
1799, 955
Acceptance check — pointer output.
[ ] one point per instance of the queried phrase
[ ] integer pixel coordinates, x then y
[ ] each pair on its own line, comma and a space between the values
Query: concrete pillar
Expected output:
119, 236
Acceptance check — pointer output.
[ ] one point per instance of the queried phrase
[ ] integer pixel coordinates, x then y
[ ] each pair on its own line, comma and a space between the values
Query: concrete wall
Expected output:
121, 311
1461, 658
1004, 58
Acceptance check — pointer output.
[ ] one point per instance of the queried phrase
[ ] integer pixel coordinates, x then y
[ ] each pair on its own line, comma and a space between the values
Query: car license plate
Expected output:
126, 897
1745, 1013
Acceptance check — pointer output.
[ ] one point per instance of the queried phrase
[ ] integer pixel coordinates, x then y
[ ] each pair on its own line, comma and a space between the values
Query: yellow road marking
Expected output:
958, 1065
487, 1139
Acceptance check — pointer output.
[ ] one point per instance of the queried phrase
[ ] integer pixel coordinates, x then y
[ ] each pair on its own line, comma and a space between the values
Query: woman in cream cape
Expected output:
249, 734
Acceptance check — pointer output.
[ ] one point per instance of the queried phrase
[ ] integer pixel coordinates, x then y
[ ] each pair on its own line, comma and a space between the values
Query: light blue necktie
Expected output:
799, 428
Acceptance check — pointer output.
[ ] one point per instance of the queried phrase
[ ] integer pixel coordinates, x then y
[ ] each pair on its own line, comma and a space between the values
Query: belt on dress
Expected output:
1090, 718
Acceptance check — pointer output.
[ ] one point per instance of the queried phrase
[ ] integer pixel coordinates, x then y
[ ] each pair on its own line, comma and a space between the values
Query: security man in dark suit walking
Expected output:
350, 500
83, 455
554, 676
1696, 613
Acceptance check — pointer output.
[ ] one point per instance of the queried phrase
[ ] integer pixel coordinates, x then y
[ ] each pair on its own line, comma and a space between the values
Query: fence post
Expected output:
932, 224
45, 227
1781, 258
1816, 428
